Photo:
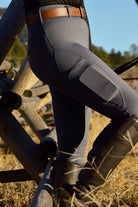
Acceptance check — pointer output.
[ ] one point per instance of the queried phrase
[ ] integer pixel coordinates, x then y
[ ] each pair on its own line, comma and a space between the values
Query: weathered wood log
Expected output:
44, 100
37, 91
37, 84
32, 81
14, 176
26, 107
29, 103
46, 109
11, 24
42, 197
21, 144
23, 76
6, 65
36, 123
12, 101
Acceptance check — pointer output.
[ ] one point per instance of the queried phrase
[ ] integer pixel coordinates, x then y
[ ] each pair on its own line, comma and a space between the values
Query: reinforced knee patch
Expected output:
100, 83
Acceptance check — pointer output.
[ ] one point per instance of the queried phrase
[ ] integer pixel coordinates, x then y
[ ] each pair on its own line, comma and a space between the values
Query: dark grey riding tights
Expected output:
59, 55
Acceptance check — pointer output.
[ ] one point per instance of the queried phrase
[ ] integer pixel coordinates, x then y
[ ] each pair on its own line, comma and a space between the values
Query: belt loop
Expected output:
41, 18
68, 10
81, 12
40, 15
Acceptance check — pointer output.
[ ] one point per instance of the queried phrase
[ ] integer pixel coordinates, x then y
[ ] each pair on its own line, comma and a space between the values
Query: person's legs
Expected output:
71, 69
72, 121
106, 92
72, 124
110, 147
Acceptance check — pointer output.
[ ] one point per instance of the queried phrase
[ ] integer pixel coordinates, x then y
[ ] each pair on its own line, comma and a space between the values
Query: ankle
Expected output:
64, 173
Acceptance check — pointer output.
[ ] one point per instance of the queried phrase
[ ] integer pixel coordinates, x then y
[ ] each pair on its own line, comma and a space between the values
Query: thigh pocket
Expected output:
99, 83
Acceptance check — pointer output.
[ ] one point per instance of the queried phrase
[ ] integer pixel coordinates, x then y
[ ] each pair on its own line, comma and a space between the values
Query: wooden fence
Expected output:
14, 95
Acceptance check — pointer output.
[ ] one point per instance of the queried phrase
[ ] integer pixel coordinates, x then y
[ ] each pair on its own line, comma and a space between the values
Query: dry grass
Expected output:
120, 190
14, 194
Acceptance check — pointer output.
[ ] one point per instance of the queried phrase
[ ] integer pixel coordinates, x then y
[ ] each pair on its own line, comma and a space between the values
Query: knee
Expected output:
97, 81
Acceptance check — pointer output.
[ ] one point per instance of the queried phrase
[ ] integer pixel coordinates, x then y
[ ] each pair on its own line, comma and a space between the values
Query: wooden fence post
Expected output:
42, 197
21, 144
11, 24
22, 78
35, 121
6, 66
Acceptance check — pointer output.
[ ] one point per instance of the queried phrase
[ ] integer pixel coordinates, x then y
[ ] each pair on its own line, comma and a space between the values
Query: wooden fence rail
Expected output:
37, 91
14, 176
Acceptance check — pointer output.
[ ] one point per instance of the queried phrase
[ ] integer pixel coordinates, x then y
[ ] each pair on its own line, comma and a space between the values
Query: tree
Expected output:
115, 59
127, 54
134, 50
17, 53
101, 53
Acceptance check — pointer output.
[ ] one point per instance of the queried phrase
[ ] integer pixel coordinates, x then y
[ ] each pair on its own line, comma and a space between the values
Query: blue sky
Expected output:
113, 23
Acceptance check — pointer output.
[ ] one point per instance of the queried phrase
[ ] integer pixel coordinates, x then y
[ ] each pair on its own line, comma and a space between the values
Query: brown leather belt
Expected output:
56, 12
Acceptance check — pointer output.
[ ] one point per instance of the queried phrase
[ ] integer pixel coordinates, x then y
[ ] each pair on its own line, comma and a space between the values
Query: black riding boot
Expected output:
111, 146
64, 177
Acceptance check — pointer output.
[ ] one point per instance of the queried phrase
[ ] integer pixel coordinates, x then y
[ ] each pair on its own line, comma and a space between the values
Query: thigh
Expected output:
91, 82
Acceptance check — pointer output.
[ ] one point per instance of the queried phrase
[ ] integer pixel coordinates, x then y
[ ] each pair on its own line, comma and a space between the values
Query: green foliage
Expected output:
2, 10
23, 36
17, 53
134, 50
101, 53
115, 59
